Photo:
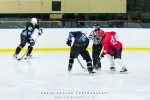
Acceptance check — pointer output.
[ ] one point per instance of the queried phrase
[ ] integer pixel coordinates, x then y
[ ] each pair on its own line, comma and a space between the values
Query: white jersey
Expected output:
92, 35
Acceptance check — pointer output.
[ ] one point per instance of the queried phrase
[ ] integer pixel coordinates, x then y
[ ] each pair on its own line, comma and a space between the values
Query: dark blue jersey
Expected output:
80, 38
74, 34
29, 29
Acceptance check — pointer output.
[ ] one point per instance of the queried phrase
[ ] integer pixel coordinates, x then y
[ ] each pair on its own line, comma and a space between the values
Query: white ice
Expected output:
47, 72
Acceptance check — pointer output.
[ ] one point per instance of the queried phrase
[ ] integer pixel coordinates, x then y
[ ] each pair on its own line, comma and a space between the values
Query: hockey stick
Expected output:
79, 61
27, 50
80, 64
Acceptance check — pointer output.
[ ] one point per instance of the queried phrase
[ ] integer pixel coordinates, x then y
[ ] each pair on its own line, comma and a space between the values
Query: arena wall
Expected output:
54, 39
67, 6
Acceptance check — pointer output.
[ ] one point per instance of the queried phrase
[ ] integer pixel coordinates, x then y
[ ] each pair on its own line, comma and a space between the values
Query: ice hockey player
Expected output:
26, 37
80, 44
97, 47
112, 49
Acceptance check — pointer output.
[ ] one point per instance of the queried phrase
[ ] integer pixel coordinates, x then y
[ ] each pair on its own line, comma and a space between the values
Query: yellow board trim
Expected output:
63, 49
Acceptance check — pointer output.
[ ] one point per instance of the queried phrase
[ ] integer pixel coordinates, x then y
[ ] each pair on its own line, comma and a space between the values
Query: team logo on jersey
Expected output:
30, 28
82, 39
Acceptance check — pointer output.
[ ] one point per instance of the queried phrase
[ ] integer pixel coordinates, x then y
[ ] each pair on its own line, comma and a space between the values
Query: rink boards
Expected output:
54, 39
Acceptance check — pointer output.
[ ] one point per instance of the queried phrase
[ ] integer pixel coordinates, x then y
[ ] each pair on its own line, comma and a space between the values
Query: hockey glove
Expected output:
40, 32
69, 42
32, 43
102, 55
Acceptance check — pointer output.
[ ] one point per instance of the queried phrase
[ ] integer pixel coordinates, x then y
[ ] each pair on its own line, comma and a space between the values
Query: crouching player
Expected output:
112, 49
80, 44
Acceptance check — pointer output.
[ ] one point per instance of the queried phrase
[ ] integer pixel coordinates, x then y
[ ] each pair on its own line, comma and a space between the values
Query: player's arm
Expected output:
106, 45
106, 48
70, 35
91, 36
69, 39
40, 29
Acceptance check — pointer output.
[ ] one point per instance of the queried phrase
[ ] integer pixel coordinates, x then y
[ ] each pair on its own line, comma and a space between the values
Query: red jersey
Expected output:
110, 44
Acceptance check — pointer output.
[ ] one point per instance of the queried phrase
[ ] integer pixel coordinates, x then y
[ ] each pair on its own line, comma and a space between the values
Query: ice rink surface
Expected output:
47, 72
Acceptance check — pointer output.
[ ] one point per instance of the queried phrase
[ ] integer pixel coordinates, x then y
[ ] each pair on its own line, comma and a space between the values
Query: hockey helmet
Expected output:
96, 24
34, 20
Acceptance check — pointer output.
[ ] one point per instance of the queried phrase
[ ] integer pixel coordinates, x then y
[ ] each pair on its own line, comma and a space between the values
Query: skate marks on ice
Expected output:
108, 71
85, 73
26, 58
81, 74
22, 80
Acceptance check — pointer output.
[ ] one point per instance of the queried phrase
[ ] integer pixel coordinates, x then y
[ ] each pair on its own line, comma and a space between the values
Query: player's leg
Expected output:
30, 47
93, 54
22, 44
86, 56
71, 61
111, 60
99, 51
73, 54
96, 53
117, 58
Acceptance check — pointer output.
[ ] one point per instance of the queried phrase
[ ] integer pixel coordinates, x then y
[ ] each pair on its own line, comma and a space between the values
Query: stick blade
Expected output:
19, 59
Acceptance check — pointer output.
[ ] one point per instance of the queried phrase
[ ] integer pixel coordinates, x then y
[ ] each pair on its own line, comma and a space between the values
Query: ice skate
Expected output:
28, 56
97, 68
90, 70
69, 67
112, 68
124, 71
14, 56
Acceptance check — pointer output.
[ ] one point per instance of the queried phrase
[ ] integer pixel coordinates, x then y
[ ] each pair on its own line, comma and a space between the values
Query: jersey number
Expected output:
113, 41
